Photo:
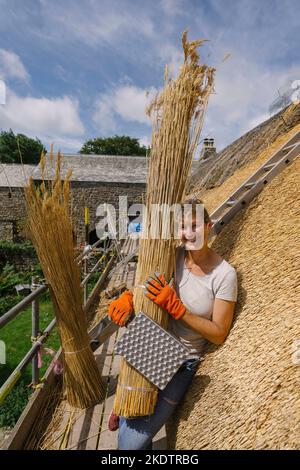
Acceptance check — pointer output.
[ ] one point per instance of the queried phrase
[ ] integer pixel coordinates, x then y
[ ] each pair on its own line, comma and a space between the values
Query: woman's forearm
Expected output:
206, 328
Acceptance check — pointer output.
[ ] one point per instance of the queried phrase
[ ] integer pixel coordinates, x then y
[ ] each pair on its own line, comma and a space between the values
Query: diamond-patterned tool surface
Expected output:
154, 352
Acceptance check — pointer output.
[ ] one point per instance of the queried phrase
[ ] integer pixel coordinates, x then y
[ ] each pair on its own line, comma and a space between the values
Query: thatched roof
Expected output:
246, 392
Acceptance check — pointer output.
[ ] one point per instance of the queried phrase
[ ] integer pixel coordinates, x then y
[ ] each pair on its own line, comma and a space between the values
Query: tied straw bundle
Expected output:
50, 227
177, 116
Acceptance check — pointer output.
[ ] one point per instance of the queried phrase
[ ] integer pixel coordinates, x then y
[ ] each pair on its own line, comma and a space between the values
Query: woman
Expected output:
200, 305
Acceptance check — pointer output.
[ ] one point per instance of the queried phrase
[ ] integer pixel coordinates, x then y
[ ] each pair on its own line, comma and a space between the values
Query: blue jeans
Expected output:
137, 433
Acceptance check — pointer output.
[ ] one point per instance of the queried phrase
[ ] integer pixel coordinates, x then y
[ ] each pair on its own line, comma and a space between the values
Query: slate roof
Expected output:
14, 175
93, 168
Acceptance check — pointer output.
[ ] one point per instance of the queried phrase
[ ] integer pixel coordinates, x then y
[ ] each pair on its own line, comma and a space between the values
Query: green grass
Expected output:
16, 336
17, 333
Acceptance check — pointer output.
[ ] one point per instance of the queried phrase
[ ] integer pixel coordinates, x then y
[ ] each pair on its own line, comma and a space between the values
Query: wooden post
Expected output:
86, 222
35, 326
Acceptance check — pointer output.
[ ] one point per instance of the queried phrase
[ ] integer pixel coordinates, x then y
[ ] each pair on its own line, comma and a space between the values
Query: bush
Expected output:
14, 404
10, 248
12, 253
9, 278
11, 145
8, 302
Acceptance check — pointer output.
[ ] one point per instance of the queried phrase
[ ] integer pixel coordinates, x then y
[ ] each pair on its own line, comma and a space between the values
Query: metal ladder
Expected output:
255, 184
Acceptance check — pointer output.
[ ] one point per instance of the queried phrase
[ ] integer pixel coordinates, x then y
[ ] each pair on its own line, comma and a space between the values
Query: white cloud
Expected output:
104, 115
169, 54
65, 144
130, 103
52, 120
126, 101
145, 140
12, 66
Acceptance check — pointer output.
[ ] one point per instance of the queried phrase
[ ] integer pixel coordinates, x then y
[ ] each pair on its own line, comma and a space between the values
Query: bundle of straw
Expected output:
50, 228
177, 114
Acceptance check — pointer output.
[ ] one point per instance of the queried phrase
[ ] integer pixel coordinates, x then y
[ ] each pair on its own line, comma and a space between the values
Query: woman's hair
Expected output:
193, 201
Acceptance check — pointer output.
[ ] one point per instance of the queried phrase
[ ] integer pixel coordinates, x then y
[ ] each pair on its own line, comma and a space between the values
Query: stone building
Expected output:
12, 204
95, 180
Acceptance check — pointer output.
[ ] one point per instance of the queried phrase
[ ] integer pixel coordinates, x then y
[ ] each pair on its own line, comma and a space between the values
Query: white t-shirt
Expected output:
197, 293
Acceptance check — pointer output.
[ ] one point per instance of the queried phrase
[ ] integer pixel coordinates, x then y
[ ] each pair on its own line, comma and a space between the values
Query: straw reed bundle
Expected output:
50, 228
246, 393
177, 114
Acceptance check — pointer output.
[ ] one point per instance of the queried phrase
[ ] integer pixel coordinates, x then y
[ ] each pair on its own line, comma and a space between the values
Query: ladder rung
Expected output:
249, 185
231, 202
269, 166
288, 147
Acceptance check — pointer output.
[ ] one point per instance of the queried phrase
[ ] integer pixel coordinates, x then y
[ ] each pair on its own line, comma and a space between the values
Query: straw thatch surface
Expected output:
246, 392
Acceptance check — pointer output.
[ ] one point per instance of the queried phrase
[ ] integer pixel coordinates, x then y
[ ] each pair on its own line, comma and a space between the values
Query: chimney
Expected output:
208, 149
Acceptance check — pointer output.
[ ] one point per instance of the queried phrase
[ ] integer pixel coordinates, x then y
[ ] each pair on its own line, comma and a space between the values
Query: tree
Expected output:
12, 145
117, 145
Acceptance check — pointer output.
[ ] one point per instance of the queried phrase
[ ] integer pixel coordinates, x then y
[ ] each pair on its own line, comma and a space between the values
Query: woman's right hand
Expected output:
120, 309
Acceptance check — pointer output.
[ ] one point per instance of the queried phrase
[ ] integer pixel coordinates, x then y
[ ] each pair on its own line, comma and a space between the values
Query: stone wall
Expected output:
90, 194
6, 231
12, 213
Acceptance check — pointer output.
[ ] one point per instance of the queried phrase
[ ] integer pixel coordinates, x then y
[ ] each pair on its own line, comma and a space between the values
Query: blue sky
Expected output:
77, 69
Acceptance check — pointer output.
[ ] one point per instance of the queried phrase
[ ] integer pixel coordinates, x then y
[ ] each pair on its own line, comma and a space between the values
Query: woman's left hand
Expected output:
163, 294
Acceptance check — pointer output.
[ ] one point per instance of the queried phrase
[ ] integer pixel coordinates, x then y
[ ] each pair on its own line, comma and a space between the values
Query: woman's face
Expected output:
194, 232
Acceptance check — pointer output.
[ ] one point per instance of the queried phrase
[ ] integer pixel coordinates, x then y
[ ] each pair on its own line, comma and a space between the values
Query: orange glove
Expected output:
163, 294
120, 309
